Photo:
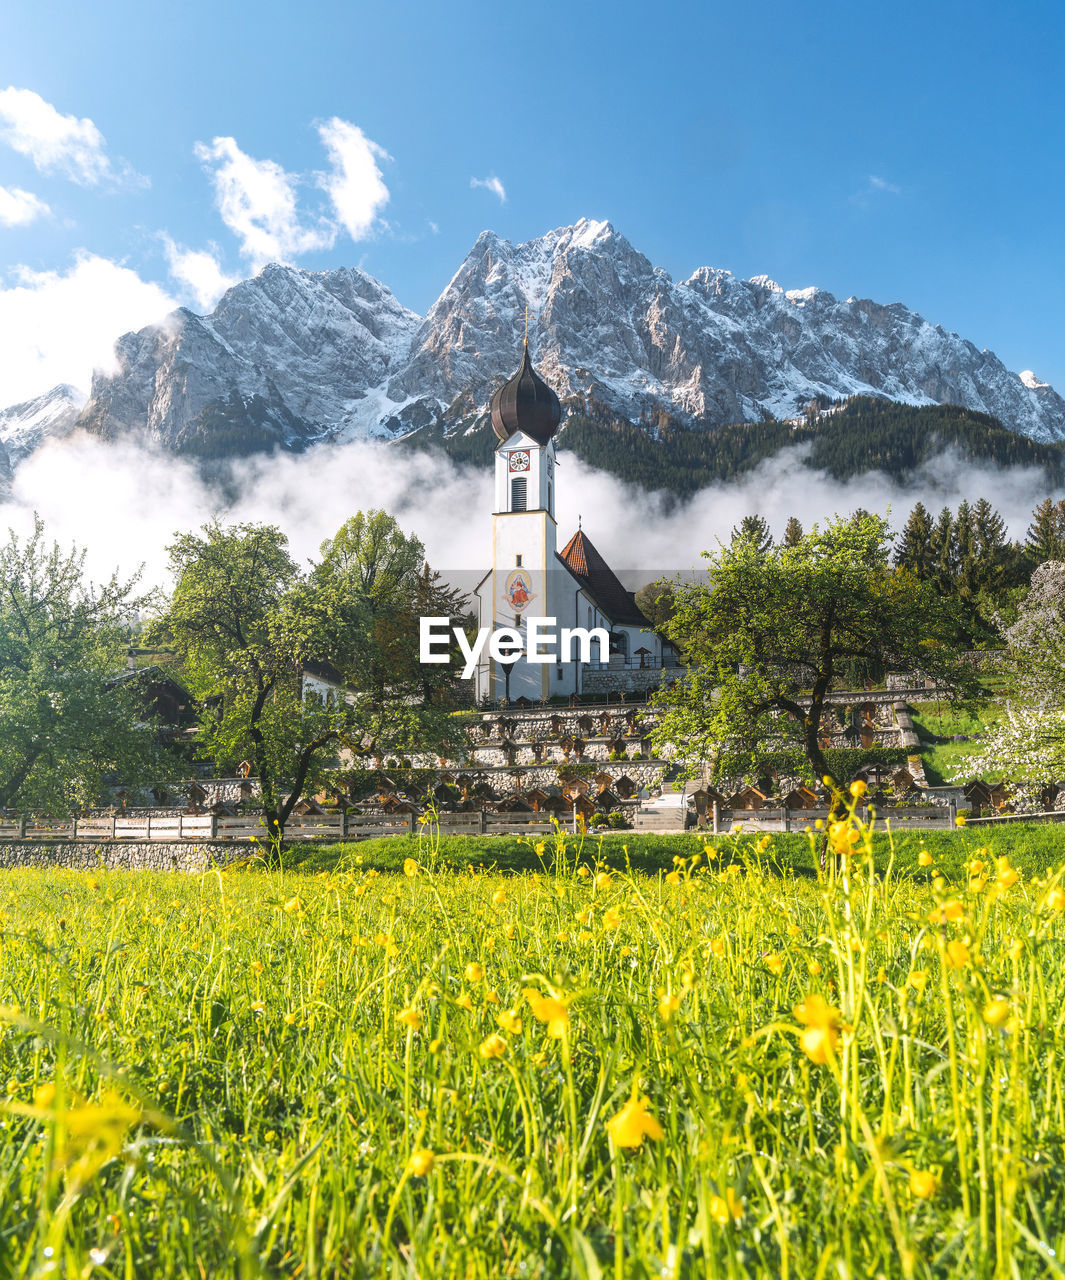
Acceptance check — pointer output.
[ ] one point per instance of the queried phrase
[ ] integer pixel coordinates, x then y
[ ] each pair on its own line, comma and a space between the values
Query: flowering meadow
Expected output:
721, 1069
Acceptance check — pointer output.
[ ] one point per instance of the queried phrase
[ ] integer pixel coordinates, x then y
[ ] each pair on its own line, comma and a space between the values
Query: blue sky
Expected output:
150, 152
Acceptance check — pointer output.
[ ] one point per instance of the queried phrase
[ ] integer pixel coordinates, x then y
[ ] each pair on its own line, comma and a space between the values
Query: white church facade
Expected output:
532, 587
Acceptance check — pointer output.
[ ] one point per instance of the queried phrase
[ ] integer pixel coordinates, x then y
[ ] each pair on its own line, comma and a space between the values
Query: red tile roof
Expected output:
600, 581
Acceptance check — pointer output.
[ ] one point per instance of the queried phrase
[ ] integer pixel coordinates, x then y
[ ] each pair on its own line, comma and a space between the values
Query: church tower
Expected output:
525, 416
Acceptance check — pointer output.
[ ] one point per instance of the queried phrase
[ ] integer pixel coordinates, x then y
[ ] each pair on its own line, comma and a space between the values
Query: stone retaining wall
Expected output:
629, 679
122, 855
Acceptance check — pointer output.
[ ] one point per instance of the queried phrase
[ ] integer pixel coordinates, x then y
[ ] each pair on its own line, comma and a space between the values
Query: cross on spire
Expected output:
526, 317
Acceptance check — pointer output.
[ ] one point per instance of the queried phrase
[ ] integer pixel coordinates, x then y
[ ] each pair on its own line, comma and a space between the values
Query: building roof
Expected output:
600, 581
526, 403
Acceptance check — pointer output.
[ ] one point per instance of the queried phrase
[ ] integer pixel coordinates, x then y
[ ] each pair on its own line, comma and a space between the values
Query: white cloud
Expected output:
19, 208
874, 187
199, 271
57, 143
59, 326
124, 502
492, 184
257, 201
355, 186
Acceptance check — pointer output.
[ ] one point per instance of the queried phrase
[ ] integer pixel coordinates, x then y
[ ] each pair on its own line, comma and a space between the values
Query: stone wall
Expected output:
121, 855
628, 679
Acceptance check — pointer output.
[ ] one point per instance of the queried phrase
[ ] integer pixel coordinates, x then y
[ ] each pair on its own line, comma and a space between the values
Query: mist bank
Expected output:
124, 502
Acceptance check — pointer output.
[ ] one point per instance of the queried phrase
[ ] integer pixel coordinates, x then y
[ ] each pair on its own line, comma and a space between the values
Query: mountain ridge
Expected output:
292, 357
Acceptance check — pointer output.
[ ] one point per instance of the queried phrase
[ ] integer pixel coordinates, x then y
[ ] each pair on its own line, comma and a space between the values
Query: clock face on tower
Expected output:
519, 460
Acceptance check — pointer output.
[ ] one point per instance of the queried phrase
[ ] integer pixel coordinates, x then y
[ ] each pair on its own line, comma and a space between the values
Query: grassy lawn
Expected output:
723, 1068
945, 762
1034, 847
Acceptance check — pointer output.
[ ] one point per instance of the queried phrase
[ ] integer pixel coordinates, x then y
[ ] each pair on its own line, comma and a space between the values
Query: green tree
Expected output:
792, 531
656, 602
754, 529
67, 721
1046, 533
913, 549
767, 636
247, 625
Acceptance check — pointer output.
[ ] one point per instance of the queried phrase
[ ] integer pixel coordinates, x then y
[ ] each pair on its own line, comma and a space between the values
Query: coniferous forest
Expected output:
844, 439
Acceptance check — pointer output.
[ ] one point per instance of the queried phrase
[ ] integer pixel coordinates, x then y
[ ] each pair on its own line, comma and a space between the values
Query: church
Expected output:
531, 581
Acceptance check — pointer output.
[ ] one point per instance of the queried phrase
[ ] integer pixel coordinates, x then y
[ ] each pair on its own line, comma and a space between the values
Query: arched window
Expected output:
549, 497
518, 496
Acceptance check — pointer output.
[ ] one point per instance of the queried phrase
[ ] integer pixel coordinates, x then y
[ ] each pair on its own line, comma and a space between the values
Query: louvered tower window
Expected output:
518, 493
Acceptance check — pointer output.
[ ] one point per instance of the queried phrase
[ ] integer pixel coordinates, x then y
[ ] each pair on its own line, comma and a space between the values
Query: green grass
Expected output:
208, 1076
945, 762
1034, 848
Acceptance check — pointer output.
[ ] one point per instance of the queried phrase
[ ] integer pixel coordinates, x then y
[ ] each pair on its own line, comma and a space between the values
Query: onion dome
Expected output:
526, 403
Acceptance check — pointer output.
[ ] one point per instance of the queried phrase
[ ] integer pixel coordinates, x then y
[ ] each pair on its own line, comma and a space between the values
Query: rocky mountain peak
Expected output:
293, 356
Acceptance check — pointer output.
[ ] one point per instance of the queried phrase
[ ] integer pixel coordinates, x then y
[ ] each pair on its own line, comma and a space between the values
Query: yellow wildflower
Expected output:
727, 1208
510, 1022
996, 1011
774, 962
421, 1162
464, 1002
820, 1040
668, 1006
858, 789
952, 910
923, 1183
956, 954
924, 858
493, 1047
918, 979
632, 1124
410, 868
673, 877
548, 1010
410, 1017
1055, 899
474, 972
602, 880
499, 897
611, 918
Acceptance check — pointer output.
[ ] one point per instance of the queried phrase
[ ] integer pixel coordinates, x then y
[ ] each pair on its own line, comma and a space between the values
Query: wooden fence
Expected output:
915, 818
324, 826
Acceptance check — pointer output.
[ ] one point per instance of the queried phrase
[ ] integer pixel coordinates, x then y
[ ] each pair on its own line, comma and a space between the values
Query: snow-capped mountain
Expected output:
284, 358
24, 426
292, 356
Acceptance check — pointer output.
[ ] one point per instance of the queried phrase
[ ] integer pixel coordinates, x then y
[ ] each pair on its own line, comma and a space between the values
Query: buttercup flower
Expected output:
421, 1162
494, 1046
996, 1011
725, 1209
822, 1021
548, 1010
633, 1123
668, 1006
